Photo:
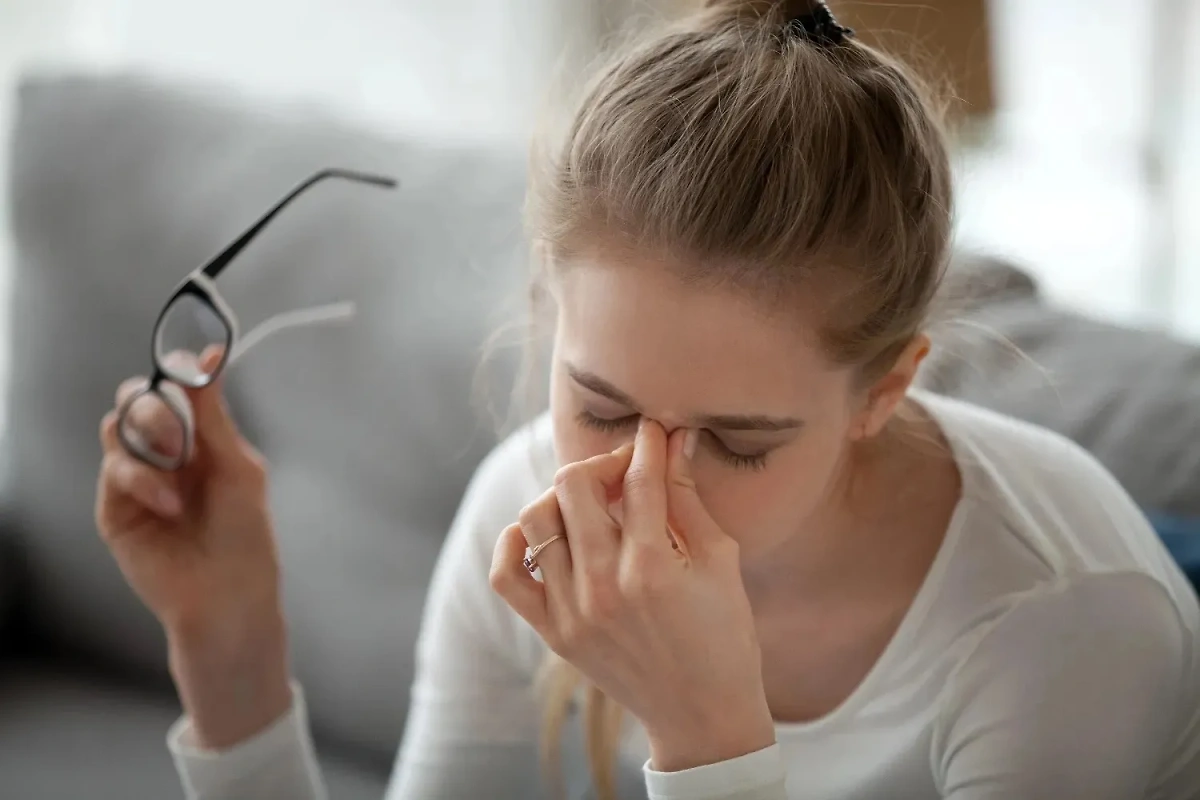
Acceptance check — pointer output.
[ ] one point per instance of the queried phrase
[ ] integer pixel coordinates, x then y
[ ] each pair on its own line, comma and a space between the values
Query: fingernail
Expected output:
168, 502
689, 443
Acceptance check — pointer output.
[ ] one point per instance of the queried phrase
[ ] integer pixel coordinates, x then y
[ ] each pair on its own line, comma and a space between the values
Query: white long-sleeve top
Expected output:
1052, 652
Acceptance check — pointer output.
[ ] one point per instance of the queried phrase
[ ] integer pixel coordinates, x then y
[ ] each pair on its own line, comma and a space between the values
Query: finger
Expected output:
123, 476
540, 522
584, 490
689, 519
509, 579
216, 431
156, 424
587, 488
645, 490
146, 417
128, 387
109, 441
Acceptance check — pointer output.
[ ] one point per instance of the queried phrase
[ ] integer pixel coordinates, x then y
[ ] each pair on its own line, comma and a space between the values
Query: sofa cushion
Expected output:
1131, 397
1182, 539
120, 187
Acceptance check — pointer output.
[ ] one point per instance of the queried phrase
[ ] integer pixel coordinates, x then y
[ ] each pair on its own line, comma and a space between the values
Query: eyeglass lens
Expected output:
188, 327
154, 425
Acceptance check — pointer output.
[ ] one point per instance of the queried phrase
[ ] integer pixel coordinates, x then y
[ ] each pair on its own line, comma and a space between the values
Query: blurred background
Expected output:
139, 136
1087, 169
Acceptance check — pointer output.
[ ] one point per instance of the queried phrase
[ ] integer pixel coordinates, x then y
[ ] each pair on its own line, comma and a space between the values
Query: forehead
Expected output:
685, 348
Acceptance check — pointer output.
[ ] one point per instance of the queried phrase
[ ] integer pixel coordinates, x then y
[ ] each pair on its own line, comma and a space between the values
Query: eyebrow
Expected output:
727, 422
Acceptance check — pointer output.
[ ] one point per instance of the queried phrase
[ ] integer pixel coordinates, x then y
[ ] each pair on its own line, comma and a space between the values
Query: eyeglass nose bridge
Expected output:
176, 402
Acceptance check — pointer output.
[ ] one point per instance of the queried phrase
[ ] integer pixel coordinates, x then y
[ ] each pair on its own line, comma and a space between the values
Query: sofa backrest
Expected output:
120, 186
1129, 396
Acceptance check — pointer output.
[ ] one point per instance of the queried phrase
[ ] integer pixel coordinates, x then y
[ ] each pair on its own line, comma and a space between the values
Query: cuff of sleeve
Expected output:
754, 775
280, 756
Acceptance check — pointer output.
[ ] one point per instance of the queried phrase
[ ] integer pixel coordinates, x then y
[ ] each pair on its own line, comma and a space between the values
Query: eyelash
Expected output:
737, 460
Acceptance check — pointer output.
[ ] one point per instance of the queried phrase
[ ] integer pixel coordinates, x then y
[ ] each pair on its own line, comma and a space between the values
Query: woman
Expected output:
798, 576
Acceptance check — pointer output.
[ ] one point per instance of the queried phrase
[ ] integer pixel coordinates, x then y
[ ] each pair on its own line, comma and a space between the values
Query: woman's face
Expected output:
777, 419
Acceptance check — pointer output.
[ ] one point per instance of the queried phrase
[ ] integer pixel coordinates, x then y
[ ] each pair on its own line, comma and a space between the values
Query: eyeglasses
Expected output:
155, 423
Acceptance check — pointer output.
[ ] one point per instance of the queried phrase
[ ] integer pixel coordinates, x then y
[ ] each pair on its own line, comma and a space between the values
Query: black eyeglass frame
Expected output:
200, 284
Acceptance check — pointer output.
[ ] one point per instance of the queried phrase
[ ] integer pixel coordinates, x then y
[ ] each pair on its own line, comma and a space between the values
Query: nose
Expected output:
667, 424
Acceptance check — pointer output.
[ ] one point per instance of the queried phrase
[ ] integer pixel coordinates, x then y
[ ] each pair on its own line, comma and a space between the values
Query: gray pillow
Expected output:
1131, 397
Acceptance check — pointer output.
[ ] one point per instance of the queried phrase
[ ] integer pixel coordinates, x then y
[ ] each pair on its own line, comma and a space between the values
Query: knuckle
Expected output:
256, 467
527, 520
645, 578
128, 387
601, 601
538, 518
108, 425
553, 640
104, 489
499, 578
571, 638
726, 550
682, 481
570, 475
118, 473
250, 471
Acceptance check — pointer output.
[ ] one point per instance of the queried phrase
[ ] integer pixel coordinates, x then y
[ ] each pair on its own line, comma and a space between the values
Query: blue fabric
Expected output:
1182, 538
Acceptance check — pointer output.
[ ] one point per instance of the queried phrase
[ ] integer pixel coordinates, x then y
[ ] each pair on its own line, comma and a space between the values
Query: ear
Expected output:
889, 391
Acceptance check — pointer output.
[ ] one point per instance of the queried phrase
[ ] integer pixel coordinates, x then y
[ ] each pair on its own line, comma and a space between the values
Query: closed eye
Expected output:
753, 461
608, 425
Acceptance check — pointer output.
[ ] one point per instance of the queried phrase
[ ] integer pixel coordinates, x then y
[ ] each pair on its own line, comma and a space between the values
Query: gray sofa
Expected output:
120, 186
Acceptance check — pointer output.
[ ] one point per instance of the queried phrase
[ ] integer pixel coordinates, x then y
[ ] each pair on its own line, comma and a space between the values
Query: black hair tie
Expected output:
819, 27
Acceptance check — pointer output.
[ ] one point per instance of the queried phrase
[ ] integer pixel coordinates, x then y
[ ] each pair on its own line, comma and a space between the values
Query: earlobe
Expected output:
874, 415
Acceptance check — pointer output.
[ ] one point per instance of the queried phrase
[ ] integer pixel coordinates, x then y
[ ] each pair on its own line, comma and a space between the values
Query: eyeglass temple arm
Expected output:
318, 315
213, 268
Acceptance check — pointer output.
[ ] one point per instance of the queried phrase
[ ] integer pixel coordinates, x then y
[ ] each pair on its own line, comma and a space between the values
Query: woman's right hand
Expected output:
197, 547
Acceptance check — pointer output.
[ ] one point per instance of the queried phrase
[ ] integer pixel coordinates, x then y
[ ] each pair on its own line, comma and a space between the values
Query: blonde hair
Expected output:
766, 162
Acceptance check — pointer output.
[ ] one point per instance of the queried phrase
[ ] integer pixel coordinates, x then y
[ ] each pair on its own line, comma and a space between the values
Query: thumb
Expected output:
686, 514
609, 471
216, 431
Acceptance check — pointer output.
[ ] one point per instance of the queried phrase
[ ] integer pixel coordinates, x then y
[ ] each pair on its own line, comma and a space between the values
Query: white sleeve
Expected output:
1074, 691
755, 776
472, 726
472, 721
276, 764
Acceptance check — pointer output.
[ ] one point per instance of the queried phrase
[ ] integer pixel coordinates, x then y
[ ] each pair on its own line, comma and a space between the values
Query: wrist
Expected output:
233, 681
715, 738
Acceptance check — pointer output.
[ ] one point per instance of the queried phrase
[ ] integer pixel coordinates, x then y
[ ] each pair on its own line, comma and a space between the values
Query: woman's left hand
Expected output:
667, 633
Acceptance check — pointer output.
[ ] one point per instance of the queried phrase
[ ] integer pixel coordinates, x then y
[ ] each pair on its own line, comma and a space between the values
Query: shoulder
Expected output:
1016, 447
1044, 500
512, 475
1075, 686
1095, 611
